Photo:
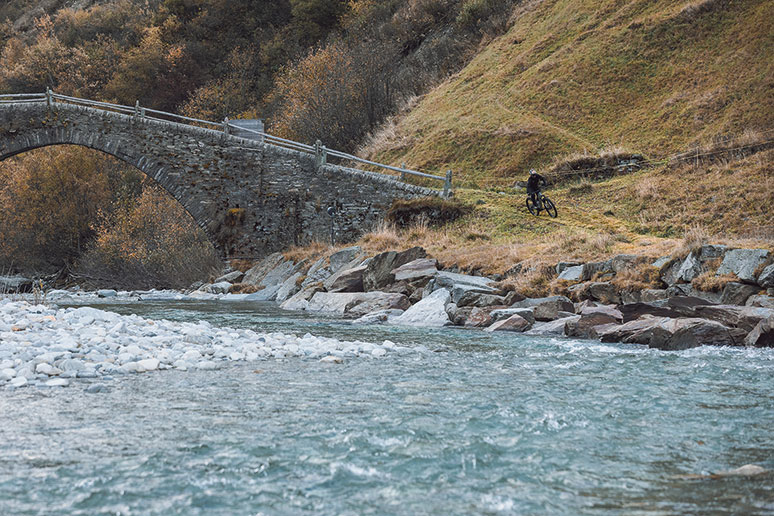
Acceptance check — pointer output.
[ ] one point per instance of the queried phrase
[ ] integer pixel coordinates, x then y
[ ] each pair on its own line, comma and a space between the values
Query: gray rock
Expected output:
574, 273
265, 294
690, 268
279, 274
560, 302
430, 311
231, 277
289, 288
649, 295
475, 298
449, 280
317, 273
348, 280
255, 275
331, 280
387, 301
763, 301
557, 327
590, 319
762, 335
379, 271
378, 317
671, 334
216, 288
668, 271
420, 268
630, 296
743, 317
112, 293
737, 293
664, 260
563, 266
473, 317
691, 291
513, 323
766, 277
743, 263
341, 258
356, 303
605, 292
504, 313
300, 300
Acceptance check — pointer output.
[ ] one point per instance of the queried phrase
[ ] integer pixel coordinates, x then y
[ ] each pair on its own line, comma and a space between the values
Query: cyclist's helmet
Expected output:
532, 171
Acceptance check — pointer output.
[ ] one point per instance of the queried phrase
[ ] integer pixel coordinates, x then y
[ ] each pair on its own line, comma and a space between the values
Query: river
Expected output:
469, 423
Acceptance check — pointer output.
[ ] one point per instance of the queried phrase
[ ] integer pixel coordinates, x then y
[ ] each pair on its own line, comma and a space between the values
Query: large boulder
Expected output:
735, 293
573, 273
766, 277
649, 295
592, 317
378, 317
289, 288
763, 301
547, 308
744, 317
504, 313
387, 301
255, 275
265, 294
762, 336
671, 334
378, 273
317, 273
744, 263
343, 257
356, 303
475, 298
300, 300
231, 277
634, 311
348, 280
420, 268
216, 288
688, 290
513, 323
430, 311
552, 328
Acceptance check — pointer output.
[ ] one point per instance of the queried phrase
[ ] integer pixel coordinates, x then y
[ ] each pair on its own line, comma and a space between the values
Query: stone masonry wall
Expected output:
250, 198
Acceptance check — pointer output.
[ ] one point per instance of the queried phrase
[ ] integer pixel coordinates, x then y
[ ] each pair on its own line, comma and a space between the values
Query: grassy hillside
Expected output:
648, 76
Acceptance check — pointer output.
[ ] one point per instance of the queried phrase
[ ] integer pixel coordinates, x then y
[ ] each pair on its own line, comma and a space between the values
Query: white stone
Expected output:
7, 374
19, 381
430, 311
149, 364
57, 382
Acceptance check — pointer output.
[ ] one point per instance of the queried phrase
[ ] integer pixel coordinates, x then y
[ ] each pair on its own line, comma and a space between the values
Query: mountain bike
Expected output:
543, 203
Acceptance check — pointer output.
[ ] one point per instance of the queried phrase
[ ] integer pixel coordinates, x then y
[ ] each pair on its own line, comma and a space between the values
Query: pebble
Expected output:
49, 347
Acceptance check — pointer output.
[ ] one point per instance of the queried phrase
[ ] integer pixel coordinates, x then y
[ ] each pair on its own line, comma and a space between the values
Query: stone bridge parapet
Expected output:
250, 198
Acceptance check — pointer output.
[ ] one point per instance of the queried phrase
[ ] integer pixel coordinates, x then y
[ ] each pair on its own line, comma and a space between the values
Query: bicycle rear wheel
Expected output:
532, 206
549, 206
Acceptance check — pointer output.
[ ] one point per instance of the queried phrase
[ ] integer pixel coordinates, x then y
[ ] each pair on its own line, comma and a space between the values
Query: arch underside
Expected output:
150, 168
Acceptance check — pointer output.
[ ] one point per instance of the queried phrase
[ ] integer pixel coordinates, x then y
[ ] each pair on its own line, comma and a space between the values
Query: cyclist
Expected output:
534, 183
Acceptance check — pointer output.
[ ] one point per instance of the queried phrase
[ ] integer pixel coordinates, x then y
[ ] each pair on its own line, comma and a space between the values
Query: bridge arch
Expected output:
250, 198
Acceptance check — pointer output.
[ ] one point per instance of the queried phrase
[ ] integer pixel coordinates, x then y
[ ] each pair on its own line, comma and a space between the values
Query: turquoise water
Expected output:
475, 424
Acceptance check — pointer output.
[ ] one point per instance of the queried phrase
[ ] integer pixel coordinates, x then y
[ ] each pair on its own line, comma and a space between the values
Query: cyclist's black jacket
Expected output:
534, 182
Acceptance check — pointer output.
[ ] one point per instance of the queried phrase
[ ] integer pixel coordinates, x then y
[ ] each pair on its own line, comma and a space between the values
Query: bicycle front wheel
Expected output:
532, 206
549, 206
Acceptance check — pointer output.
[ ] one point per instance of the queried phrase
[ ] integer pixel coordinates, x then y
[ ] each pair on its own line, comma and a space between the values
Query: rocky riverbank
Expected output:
713, 296
48, 347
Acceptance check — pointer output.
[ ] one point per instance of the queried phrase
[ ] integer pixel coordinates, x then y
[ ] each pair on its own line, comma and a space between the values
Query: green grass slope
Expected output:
580, 75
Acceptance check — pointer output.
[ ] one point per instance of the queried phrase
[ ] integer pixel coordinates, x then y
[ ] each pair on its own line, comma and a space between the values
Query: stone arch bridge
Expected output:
251, 198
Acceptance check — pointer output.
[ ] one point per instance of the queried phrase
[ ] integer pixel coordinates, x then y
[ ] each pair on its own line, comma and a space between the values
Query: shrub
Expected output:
433, 211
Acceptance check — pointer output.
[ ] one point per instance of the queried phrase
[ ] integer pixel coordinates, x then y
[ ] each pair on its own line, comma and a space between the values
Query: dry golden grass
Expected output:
638, 278
241, 265
709, 282
310, 252
242, 288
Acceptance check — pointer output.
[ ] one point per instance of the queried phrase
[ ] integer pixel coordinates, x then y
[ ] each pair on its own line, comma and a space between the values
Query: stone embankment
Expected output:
713, 296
